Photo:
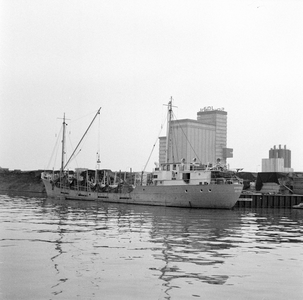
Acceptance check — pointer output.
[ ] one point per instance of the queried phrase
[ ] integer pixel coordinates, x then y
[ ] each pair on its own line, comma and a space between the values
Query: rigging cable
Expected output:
98, 146
188, 140
174, 149
55, 148
72, 147
154, 146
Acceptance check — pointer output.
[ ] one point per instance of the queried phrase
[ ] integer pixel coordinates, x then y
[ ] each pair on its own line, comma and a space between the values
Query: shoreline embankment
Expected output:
21, 181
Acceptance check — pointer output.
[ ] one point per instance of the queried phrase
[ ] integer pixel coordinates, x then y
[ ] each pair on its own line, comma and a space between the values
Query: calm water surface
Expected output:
75, 250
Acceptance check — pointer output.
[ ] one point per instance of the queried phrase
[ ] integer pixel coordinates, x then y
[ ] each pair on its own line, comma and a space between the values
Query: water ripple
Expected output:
88, 250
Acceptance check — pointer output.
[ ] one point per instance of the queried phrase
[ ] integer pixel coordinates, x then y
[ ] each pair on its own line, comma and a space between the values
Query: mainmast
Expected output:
168, 139
63, 146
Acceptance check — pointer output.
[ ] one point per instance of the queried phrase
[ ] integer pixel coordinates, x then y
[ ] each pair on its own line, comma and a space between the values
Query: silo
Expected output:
281, 153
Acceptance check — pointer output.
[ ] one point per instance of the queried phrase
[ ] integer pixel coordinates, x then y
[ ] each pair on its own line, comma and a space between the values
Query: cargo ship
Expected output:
174, 184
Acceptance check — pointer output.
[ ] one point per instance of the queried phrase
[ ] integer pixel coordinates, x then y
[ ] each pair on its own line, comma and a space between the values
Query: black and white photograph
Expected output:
151, 149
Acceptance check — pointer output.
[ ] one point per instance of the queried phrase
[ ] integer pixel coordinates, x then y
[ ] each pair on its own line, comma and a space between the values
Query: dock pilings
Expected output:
268, 201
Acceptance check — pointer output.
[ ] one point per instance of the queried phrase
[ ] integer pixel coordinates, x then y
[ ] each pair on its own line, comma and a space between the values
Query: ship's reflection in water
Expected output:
192, 242
113, 251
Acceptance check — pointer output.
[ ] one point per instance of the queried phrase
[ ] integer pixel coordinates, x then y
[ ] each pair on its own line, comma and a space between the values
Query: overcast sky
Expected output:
130, 57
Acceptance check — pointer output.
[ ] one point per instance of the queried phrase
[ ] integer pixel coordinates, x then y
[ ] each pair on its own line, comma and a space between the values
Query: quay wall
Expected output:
268, 201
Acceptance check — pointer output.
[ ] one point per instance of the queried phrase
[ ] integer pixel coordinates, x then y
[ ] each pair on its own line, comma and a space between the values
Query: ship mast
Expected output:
63, 147
168, 139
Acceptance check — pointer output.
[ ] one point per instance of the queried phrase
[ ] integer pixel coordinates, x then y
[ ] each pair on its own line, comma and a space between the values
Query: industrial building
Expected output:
204, 139
279, 160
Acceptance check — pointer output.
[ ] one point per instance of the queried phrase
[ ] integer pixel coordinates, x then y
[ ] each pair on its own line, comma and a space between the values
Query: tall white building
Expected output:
204, 139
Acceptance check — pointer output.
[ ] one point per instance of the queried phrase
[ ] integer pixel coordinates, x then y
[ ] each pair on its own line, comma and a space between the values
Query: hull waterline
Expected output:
222, 196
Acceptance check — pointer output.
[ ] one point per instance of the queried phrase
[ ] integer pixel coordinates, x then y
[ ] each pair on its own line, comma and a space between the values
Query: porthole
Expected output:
201, 191
209, 190
186, 191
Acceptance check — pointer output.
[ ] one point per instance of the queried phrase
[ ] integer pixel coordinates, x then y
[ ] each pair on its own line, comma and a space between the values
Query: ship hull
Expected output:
223, 196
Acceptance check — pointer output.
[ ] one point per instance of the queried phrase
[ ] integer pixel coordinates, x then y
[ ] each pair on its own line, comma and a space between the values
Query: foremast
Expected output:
63, 147
63, 164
